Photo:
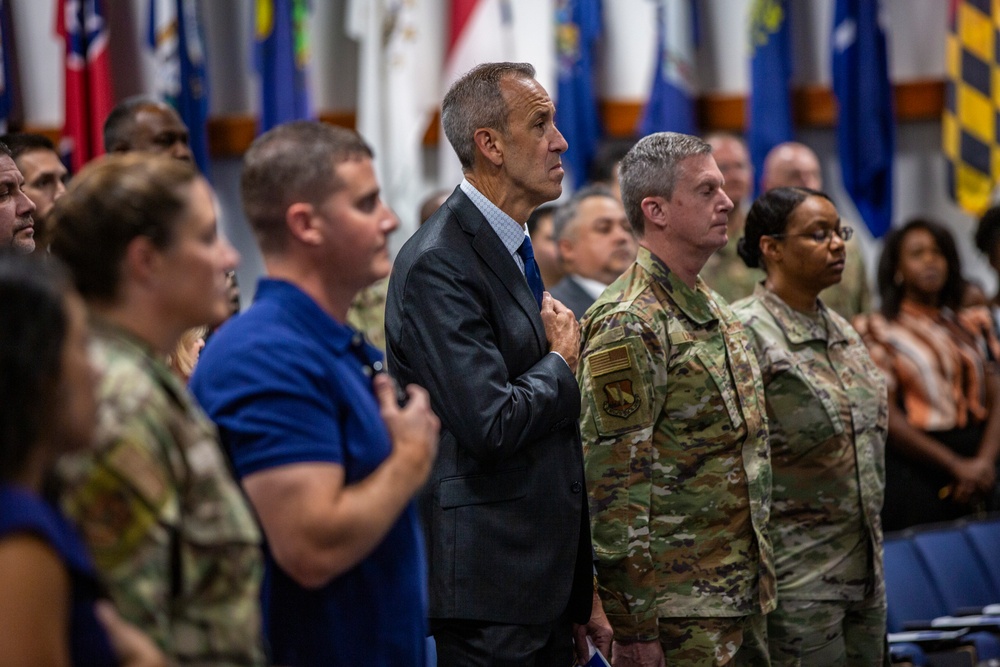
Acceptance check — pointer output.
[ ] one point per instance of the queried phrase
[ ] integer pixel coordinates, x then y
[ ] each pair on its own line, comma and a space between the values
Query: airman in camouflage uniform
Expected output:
674, 433
827, 414
168, 527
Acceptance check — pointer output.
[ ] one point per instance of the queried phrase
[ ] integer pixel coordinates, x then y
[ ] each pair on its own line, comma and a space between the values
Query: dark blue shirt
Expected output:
23, 512
286, 383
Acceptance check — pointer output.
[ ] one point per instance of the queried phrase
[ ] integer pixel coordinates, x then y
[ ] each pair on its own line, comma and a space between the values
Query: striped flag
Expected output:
866, 118
972, 103
281, 46
479, 31
83, 26
769, 111
671, 105
578, 30
397, 96
175, 36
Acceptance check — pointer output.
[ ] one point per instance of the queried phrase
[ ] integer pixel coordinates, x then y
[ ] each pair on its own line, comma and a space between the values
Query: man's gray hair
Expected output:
294, 162
566, 213
650, 169
476, 101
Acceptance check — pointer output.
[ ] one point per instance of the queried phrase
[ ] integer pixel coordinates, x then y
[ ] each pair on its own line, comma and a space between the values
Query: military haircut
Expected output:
476, 101
120, 123
650, 169
20, 143
291, 163
110, 202
565, 215
892, 291
769, 217
32, 332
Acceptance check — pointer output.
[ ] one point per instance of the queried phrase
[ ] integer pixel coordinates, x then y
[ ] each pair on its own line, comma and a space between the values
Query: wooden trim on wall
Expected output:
813, 106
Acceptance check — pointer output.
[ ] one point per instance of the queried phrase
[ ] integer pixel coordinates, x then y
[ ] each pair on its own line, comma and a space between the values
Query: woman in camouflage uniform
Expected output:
168, 527
827, 417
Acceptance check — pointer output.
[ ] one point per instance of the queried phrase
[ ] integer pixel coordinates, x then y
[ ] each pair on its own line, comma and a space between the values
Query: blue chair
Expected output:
911, 595
985, 539
955, 569
908, 652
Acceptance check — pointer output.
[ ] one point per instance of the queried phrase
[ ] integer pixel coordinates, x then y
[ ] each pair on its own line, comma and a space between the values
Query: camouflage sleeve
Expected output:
123, 500
858, 281
619, 408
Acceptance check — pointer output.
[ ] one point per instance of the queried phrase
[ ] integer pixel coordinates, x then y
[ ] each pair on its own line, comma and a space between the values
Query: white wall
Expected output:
917, 29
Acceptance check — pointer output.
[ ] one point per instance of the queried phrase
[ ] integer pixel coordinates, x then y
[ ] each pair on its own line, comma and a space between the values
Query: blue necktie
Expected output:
531, 270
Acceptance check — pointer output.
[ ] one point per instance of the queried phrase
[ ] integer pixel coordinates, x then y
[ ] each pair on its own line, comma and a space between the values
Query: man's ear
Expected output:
564, 249
490, 145
654, 209
303, 223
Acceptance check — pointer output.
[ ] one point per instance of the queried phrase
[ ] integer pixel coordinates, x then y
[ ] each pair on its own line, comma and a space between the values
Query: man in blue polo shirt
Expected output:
323, 449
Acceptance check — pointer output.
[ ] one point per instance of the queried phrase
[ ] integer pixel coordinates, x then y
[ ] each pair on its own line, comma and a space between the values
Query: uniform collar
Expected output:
695, 303
799, 327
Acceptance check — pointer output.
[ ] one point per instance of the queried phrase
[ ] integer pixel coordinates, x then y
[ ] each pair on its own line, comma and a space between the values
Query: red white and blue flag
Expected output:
83, 26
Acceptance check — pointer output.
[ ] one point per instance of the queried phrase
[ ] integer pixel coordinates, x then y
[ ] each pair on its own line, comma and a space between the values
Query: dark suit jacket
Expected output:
573, 296
505, 510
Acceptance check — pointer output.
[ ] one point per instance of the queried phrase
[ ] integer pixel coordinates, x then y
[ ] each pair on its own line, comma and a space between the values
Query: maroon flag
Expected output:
83, 26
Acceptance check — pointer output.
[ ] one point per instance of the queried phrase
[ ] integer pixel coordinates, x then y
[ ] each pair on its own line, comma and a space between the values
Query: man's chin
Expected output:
23, 246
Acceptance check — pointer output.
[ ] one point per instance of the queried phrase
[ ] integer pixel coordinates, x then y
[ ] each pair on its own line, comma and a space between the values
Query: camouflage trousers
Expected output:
827, 633
739, 641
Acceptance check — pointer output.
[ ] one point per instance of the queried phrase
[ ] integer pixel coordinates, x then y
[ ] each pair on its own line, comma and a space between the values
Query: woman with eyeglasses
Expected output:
827, 416
944, 419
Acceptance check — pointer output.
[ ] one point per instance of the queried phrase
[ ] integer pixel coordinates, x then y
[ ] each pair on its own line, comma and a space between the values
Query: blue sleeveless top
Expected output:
24, 512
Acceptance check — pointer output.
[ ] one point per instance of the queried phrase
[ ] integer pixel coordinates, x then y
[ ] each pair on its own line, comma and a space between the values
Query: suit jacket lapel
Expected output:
496, 256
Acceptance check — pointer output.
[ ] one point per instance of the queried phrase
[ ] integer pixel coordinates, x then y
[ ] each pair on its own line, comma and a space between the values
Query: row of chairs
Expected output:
943, 589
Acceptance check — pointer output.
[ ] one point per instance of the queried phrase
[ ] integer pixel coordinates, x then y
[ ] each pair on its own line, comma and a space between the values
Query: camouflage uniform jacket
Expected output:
367, 312
827, 415
675, 450
169, 529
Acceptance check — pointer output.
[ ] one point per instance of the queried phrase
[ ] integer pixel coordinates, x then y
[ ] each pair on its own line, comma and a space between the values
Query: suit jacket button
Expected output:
576, 487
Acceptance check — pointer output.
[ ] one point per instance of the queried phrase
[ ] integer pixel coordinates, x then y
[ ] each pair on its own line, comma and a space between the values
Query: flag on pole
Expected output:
397, 96
8, 88
175, 36
769, 110
578, 29
866, 118
83, 26
282, 59
479, 31
972, 103
671, 104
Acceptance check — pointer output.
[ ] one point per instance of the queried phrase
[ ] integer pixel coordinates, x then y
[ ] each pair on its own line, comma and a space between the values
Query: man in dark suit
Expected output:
505, 513
595, 243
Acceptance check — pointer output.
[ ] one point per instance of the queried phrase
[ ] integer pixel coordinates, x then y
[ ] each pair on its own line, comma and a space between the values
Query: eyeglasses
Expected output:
821, 235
